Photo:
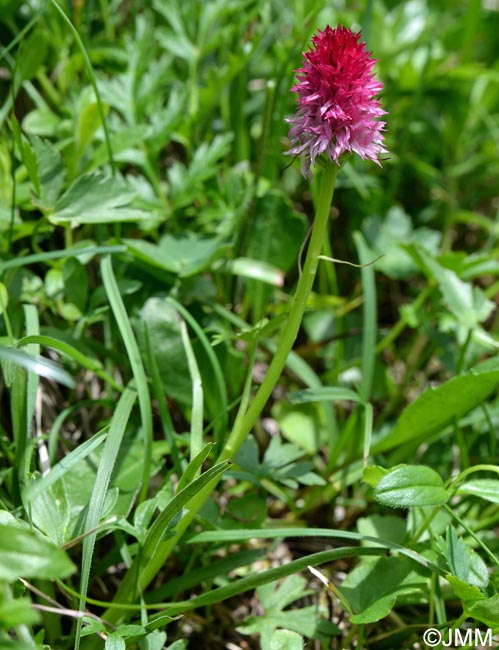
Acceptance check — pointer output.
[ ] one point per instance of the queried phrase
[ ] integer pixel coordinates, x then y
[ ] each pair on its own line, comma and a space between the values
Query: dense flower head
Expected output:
337, 96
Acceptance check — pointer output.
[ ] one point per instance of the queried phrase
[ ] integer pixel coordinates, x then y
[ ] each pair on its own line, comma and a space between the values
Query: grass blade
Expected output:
102, 480
125, 328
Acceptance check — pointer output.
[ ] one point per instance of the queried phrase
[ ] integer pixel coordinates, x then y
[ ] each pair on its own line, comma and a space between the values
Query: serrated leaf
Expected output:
409, 485
463, 590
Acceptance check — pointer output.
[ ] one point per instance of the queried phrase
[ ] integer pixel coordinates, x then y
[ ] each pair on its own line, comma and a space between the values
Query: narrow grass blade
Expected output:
219, 536
222, 422
102, 480
38, 365
369, 317
256, 579
196, 437
91, 75
33, 379
125, 328
38, 258
63, 466
157, 544
72, 353
159, 393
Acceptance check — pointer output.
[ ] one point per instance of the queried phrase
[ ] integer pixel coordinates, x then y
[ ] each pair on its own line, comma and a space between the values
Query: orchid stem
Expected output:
244, 422
292, 326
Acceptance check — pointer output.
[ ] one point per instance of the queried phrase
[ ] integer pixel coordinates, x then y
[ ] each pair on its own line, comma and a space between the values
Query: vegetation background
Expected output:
151, 237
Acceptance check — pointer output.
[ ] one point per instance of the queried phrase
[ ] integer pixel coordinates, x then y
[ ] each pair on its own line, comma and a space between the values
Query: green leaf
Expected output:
411, 485
486, 611
463, 561
4, 297
437, 408
88, 119
163, 326
373, 474
51, 172
273, 600
485, 488
187, 183
373, 587
185, 255
300, 425
466, 302
115, 642
23, 553
388, 235
50, 512
276, 231
285, 640
16, 611
95, 198
463, 590
376, 610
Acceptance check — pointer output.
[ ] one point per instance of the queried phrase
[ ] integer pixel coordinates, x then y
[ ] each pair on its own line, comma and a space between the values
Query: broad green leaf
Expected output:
274, 599
187, 183
464, 591
285, 640
88, 118
485, 488
387, 237
41, 121
468, 303
185, 255
486, 611
373, 474
411, 485
163, 327
14, 612
23, 553
382, 526
300, 425
50, 513
456, 554
437, 408
276, 231
376, 610
51, 172
373, 586
94, 199
115, 642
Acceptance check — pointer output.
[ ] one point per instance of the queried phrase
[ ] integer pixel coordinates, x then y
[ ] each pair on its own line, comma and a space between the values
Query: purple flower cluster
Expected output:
336, 92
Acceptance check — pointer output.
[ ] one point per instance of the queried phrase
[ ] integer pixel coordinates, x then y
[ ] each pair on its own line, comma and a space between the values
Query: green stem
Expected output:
244, 423
93, 81
290, 330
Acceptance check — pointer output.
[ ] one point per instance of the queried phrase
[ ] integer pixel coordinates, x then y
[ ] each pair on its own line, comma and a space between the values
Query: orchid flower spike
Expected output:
338, 110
